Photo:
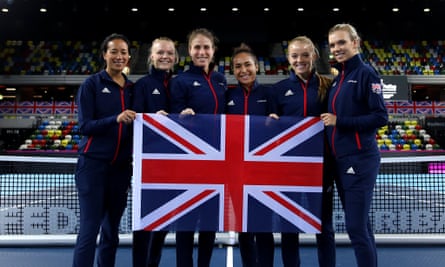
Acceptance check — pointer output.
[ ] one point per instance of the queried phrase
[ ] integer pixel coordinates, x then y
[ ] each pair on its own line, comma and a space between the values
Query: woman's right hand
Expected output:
187, 111
127, 116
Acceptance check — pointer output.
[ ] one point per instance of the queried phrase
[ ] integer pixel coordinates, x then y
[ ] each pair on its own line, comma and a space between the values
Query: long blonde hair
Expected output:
324, 82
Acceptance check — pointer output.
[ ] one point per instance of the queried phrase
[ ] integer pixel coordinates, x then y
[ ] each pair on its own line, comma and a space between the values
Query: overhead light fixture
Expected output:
426, 8
8, 96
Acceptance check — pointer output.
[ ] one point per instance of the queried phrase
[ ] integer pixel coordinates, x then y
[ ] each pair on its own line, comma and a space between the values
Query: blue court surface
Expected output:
389, 256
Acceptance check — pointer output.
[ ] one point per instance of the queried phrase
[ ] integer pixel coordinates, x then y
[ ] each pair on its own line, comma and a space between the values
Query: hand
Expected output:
274, 116
328, 119
187, 111
162, 112
127, 116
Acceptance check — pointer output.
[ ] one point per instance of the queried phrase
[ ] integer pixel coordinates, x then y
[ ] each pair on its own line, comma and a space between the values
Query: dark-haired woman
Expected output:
104, 167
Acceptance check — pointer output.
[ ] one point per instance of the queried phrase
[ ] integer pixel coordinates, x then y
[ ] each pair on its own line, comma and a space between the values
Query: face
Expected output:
163, 55
244, 69
117, 55
301, 57
201, 51
341, 46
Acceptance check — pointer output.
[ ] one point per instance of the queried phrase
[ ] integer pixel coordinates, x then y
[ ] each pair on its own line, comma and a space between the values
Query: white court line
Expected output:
229, 256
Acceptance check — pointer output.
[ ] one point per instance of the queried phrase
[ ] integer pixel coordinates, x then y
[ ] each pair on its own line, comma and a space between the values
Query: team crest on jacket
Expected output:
376, 88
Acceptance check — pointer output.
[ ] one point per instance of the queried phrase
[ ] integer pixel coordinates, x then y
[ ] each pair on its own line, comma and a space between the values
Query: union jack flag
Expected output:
227, 173
25, 107
439, 107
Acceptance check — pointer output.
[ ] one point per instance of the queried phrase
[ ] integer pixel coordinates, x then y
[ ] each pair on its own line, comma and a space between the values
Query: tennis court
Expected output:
39, 213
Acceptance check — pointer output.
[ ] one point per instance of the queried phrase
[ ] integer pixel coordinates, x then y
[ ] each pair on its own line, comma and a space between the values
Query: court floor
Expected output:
389, 256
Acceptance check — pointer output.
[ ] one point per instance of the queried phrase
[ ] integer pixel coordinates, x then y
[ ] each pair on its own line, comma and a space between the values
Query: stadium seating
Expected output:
62, 134
53, 134
406, 57
406, 134
19, 57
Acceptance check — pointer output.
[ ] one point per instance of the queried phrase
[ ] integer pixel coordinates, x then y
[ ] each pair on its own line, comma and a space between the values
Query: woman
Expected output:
355, 111
302, 94
152, 96
198, 90
104, 167
249, 97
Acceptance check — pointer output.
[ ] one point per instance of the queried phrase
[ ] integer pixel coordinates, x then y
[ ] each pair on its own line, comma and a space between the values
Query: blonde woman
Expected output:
152, 96
355, 111
304, 93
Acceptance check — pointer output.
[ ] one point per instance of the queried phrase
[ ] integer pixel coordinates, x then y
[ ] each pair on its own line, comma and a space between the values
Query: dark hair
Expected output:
111, 37
244, 48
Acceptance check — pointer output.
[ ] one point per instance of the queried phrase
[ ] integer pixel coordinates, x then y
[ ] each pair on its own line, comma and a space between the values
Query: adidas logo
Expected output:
106, 91
288, 93
350, 170
155, 92
231, 103
196, 83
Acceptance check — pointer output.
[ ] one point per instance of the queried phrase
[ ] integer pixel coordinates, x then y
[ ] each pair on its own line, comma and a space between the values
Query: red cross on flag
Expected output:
227, 173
